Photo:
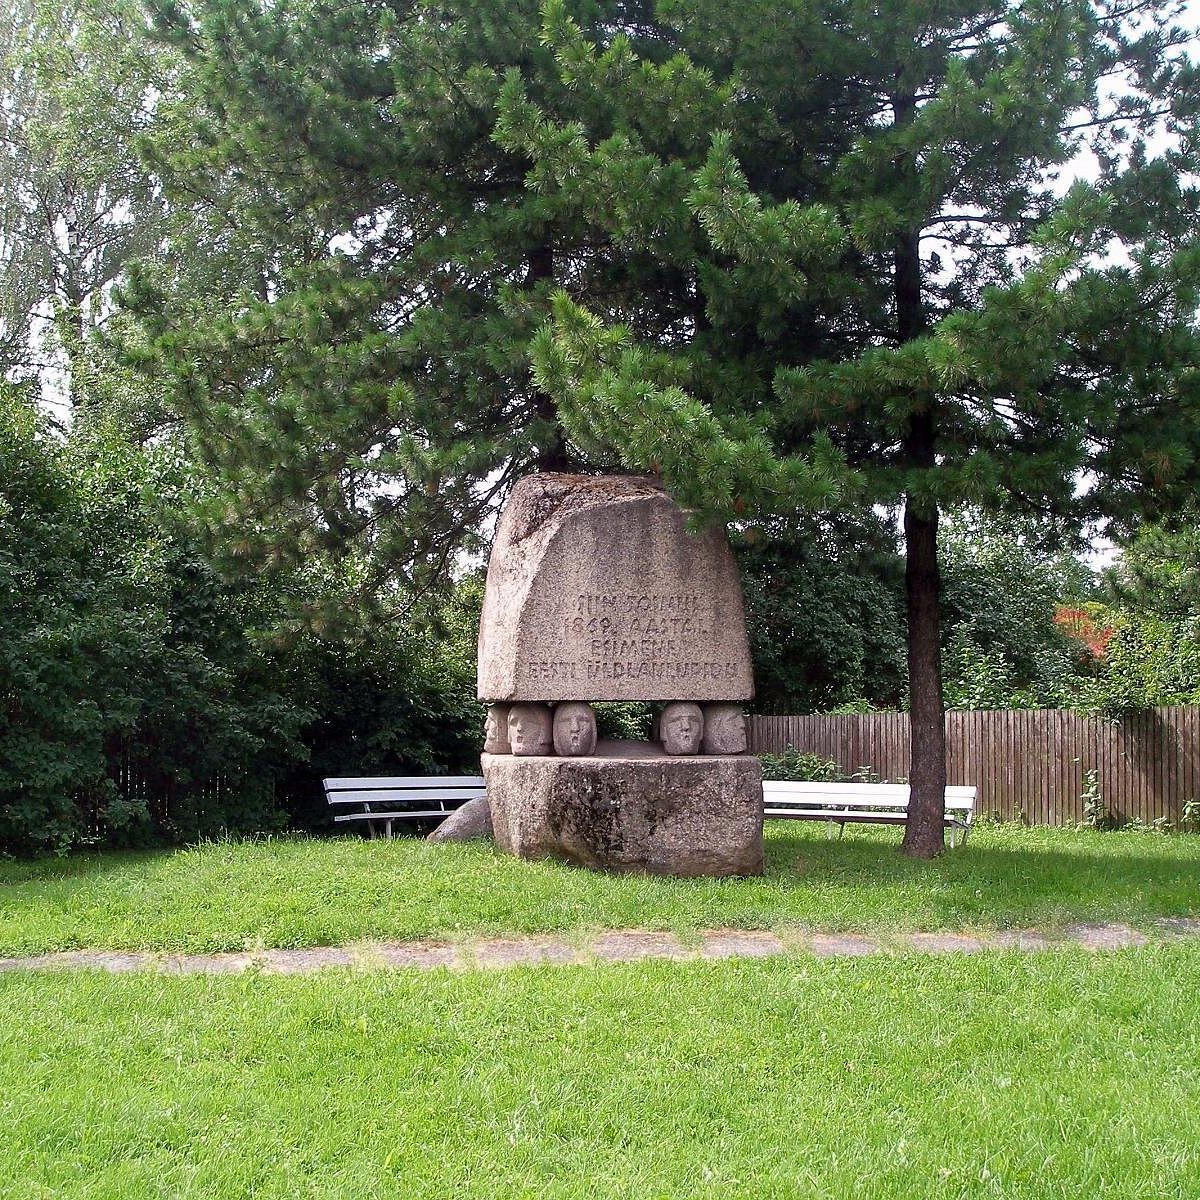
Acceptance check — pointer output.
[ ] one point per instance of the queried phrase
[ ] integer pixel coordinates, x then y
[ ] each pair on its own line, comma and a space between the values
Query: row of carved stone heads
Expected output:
569, 729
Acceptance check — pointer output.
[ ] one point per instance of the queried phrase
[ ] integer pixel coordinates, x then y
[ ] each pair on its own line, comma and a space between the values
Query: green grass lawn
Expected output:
994, 1075
301, 892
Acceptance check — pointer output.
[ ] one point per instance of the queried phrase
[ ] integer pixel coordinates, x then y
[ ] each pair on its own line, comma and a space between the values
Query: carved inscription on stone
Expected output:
634, 636
598, 590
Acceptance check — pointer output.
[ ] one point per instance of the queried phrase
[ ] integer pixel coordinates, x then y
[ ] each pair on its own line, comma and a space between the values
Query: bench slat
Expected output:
859, 816
409, 814
853, 785
387, 799
410, 796
842, 806
407, 781
956, 793
859, 803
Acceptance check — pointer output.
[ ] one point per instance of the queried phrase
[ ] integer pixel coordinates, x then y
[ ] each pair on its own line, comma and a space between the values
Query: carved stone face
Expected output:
529, 729
682, 727
724, 729
495, 730
574, 729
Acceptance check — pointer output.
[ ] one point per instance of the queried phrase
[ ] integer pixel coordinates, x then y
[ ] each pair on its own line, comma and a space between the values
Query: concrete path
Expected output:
614, 946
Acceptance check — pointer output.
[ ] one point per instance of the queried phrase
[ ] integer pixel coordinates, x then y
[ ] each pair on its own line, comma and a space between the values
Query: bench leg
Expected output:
841, 828
958, 835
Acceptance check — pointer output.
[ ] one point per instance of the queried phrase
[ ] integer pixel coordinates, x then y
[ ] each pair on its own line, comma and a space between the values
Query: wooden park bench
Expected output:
380, 802
841, 804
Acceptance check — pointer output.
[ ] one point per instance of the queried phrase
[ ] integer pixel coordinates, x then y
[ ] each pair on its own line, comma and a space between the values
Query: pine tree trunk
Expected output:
552, 454
924, 834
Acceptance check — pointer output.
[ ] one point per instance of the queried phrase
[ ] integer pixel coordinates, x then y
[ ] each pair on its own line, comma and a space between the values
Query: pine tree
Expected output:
374, 384
931, 316
794, 256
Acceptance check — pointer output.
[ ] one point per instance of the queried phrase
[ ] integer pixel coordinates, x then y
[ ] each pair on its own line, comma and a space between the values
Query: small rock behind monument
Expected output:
473, 820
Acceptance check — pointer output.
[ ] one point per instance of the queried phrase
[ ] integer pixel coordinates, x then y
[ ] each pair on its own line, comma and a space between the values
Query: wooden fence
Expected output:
1028, 765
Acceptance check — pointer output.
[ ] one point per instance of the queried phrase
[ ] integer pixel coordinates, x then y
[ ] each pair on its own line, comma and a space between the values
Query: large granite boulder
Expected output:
629, 808
597, 590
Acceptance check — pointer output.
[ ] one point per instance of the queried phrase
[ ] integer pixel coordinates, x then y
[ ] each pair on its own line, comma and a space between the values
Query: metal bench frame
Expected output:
841, 804
381, 801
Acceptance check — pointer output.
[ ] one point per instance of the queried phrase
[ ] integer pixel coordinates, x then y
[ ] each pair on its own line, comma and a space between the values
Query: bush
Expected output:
138, 702
1001, 644
800, 766
146, 698
624, 720
1149, 662
388, 702
825, 614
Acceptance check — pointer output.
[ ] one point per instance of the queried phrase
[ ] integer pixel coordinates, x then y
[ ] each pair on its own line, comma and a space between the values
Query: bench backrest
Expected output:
403, 790
882, 795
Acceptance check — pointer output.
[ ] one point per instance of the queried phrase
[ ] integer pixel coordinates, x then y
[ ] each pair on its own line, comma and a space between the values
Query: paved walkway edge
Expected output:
613, 946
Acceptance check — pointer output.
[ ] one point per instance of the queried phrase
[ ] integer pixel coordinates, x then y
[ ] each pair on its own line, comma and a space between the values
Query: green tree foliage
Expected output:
143, 697
933, 320
1149, 662
374, 385
795, 257
1158, 572
130, 676
826, 616
825, 613
1151, 619
77, 83
1002, 646
395, 700
51, 742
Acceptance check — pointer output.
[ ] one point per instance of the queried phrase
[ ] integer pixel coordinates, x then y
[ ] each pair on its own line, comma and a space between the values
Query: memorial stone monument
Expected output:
598, 590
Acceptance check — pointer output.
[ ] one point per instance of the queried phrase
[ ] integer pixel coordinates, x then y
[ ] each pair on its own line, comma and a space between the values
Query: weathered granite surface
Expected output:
495, 730
574, 729
666, 816
597, 590
467, 822
724, 729
681, 728
530, 729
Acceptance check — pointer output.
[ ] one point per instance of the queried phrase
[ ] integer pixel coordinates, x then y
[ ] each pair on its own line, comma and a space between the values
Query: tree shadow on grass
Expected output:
857, 883
305, 892
80, 866
95, 865
1000, 884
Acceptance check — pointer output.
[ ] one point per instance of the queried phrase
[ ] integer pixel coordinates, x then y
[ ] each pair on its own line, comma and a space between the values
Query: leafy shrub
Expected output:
626, 720
145, 698
1149, 662
800, 766
138, 702
1002, 646
824, 608
392, 702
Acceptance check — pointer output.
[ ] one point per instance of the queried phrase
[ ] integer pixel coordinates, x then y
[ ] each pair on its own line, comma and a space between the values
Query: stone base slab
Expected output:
664, 816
